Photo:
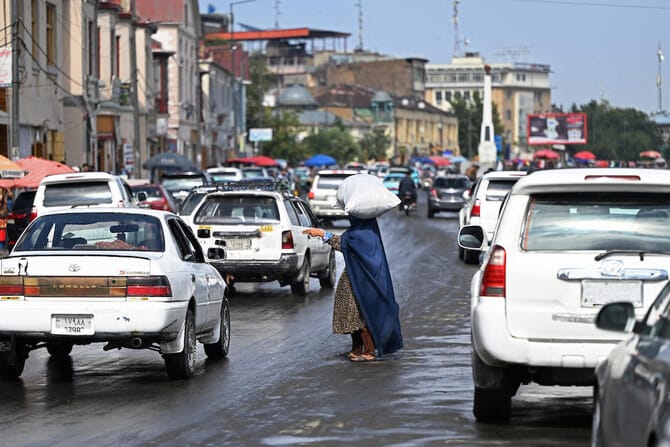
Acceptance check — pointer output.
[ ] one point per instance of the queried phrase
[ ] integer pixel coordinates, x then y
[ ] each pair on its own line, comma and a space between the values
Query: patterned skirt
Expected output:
347, 316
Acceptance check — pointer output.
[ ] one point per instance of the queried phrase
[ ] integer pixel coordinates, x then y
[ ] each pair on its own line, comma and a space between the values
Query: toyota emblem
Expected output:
73, 267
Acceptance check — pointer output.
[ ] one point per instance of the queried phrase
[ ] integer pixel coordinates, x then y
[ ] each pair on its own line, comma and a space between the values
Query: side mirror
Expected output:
472, 237
619, 317
466, 194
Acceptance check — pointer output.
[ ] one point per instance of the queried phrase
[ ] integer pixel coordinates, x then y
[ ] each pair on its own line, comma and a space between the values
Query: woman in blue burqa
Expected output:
365, 304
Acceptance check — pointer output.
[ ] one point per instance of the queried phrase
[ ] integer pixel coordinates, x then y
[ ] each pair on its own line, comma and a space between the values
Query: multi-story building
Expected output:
517, 89
217, 104
178, 31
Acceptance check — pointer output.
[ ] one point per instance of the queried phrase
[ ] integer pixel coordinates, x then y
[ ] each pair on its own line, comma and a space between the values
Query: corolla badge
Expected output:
612, 268
73, 268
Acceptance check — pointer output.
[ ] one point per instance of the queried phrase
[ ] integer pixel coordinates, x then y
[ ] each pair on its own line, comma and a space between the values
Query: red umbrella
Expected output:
650, 154
439, 161
546, 154
37, 169
259, 160
584, 155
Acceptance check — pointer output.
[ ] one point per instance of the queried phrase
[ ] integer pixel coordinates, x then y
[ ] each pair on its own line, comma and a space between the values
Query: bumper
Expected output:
111, 319
445, 204
326, 209
496, 347
285, 267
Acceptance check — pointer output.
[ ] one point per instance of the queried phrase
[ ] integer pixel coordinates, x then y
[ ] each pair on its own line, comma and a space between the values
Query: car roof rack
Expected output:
255, 184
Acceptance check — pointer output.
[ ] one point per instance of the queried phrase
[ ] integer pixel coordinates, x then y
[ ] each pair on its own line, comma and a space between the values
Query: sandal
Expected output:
362, 358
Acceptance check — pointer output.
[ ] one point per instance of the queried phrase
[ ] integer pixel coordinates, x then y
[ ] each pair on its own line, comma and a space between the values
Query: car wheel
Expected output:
59, 348
182, 364
300, 286
596, 430
220, 349
16, 369
470, 256
492, 405
461, 253
327, 277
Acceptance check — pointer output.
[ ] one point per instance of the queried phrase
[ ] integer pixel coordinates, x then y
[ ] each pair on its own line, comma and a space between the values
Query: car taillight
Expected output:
287, 240
11, 285
493, 279
310, 195
33, 213
148, 286
433, 192
16, 215
476, 209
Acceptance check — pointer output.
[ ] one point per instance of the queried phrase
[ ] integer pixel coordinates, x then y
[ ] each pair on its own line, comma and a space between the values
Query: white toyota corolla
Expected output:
130, 278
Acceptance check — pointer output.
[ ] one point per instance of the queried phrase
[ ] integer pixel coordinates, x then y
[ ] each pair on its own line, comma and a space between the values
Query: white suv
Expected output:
324, 189
82, 189
483, 206
567, 241
253, 232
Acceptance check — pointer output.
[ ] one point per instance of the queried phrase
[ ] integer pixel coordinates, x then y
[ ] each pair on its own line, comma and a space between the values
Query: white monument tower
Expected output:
487, 145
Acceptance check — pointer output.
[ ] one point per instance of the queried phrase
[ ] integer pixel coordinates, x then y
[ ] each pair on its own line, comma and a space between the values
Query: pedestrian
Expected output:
365, 304
471, 172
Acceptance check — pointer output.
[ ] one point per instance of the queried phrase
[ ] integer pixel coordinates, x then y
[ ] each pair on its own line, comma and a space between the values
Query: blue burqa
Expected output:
370, 279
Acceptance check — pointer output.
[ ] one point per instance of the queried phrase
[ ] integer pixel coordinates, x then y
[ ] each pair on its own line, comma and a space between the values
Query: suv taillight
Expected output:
287, 240
476, 209
493, 279
33, 213
310, 195
433, 192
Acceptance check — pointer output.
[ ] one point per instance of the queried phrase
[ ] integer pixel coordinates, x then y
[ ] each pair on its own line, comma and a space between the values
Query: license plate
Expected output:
238, 244
72, 324
597, 293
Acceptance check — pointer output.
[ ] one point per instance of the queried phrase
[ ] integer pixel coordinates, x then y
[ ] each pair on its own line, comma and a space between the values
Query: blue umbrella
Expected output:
458, 159
320, 160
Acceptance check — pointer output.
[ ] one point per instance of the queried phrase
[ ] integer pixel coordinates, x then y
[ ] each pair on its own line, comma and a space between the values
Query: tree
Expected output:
374, 145
469, 114
262, 81
335, 141
284, 145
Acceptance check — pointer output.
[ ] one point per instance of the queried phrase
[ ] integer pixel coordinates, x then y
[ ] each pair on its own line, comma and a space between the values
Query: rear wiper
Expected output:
640, 253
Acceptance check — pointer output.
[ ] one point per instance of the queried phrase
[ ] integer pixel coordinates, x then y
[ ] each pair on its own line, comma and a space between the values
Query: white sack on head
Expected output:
364, 196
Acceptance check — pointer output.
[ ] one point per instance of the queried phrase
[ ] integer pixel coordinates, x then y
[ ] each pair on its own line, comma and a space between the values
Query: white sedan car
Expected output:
130, 278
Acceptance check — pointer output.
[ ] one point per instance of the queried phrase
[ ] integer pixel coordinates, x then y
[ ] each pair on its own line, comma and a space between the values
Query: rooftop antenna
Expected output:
454, 20
659, 79
277, 13
513, 53
360, 24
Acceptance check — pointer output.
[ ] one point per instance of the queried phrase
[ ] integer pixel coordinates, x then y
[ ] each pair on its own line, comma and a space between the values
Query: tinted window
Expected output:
182, 184
330, 181
455, 182
24, 201
292, 215
237, 209
151, 191
191, 202
603, 221
498, 189
77, 193
99, 231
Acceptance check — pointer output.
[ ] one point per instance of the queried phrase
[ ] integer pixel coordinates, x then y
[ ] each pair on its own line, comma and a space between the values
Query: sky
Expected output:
597, 49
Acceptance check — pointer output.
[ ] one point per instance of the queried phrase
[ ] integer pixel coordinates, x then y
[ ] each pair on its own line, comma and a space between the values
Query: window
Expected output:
438, 97
34, 27
118, 56
466, 95
90, 44
447, 96
51, 34
237, 209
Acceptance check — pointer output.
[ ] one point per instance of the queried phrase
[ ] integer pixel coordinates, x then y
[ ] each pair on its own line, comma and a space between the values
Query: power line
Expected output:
594, 4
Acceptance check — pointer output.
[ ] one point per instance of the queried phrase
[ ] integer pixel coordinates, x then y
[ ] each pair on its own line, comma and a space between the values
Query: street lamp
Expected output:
236, 90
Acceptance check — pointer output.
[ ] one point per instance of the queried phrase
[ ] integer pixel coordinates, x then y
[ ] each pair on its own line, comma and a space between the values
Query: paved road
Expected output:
285, 382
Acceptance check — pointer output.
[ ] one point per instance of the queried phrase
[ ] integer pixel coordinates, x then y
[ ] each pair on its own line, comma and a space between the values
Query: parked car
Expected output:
321, 196
255, 234
567, 242
82, 189
179, 184
223, 174
19, 216
416, 177
392, 181
630, 397
132, 278
447, 193
482, 207
154, 196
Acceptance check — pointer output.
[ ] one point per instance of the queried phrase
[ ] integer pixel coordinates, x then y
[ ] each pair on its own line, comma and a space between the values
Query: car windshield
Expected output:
253, 172
93, 231
454, 183
77, 193
237, 209
602, 221
182, 183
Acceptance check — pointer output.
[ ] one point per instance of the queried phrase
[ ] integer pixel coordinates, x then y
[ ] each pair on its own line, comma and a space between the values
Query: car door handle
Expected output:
192, 277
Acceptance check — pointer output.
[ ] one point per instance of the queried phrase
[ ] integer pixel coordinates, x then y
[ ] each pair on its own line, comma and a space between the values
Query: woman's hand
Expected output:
314, 232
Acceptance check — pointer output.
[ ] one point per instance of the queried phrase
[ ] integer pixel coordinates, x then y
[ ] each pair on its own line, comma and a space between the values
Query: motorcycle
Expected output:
407, 203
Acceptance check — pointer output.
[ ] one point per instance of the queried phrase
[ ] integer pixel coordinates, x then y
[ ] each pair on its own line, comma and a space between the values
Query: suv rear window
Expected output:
602, 221
457, 183
24, 201
330, 181
237, 209
498, 189
77, 193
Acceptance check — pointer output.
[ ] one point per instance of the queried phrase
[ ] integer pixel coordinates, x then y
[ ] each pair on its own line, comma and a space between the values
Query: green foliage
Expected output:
374, 145
284, 144
617, 134
334, 141
469, 114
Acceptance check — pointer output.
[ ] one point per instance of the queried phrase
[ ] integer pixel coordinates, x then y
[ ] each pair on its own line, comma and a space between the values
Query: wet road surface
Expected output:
285, 381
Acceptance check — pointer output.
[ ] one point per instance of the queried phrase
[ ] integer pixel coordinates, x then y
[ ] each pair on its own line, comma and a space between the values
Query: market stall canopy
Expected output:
169, 161
650, 154
320, 160
546, 154
9, 168
37, 168
584, 155
458, 159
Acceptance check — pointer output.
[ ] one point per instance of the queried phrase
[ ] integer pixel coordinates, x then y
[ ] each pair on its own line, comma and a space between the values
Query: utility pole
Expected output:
659, 79
236, 89
14, 140
137, 150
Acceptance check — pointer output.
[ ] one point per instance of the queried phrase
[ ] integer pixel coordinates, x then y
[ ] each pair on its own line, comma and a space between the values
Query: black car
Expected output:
446, 193
19, 216
179, 184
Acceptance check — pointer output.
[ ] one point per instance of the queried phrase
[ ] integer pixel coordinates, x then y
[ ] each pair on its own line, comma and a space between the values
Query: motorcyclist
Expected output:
407, 186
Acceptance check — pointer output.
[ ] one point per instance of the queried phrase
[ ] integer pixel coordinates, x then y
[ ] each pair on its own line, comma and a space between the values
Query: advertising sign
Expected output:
260, 134
557, 128
6, 66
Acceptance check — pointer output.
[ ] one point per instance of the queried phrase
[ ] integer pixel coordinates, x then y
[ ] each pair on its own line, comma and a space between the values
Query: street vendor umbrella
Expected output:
261, 160
584, 155
9, 168
439, 161
37, 168
458, 159
546, 154
320, 160
168, 161
650, 154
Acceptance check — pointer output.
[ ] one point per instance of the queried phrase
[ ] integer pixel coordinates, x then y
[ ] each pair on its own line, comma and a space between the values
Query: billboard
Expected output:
557, 128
